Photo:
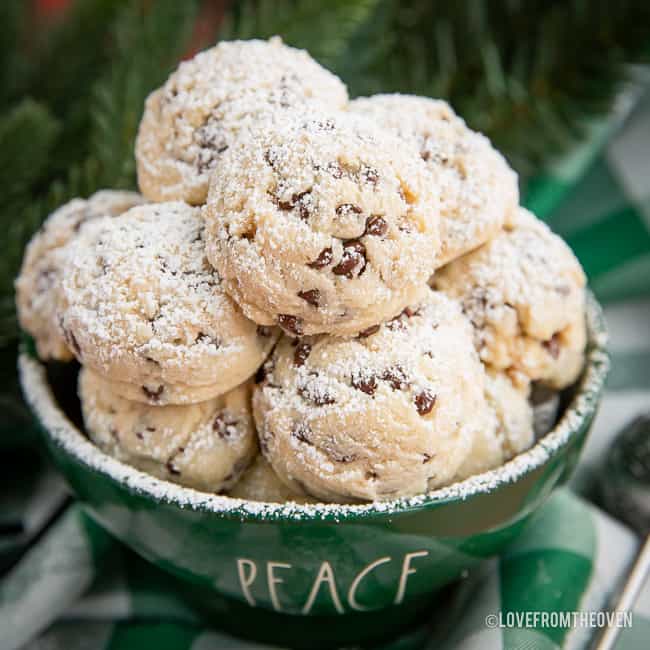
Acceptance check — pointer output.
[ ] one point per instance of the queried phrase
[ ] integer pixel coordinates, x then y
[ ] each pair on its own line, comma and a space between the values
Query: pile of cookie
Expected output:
313, 298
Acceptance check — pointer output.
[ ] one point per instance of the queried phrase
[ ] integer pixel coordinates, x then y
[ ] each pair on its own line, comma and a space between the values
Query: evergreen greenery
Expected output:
526, 72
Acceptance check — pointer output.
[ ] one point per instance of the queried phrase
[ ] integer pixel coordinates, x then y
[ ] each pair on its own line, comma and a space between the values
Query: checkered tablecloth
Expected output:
68, 586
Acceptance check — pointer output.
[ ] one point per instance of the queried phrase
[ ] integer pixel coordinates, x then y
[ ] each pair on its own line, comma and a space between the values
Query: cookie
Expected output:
392, 412
260, 483
478, 189
38, 284
508, 432
322, 225
206, 446
524, 292
198, 113
142, 306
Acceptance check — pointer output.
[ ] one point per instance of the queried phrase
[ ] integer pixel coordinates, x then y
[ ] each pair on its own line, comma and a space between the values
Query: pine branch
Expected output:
322, 28
27, 135
529, 74
140, 60
148, 42
12, 64
58, 67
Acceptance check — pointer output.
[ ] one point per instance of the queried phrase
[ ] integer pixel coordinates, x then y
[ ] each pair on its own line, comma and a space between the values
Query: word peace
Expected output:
248, 573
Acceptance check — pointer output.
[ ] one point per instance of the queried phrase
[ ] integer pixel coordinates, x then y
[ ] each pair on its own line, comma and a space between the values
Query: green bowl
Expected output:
314, 575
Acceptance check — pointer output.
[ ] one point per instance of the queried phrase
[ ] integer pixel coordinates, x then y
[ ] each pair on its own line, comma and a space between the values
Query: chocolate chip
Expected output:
335, 169
285, 205
346, 209
427, 458
206, 338
409, 312
152, 429
371, 475
324, 258
271, 157
396, 377
302, 432
552, 346
370, 175
153, 395
152, 360
139, 435
327, 125
297, 200
425, 155
376, 225
396, 323
365, 383
222, 427
264, 331
319, 398
353, 260
373, 329
291, 324
312, 296
424, 401
303, 211
301, 353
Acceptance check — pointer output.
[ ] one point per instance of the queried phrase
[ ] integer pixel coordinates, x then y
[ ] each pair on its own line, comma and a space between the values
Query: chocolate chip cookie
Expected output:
206, 446
391, 412
322, 224
195, 117
142, 305
39, 281
524, 292
478, 190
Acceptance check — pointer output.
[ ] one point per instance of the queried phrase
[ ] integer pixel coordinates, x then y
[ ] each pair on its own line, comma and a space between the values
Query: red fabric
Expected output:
51, 6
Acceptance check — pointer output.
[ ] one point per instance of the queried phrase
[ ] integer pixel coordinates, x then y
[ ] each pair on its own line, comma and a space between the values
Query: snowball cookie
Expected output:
478, 190
260, 483
524, 293
323, 225
196, 115
510, 430
142, 305
389, 413
38, 284
206, 446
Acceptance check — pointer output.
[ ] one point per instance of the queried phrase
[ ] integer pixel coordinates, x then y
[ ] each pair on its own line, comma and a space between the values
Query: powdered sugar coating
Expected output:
74, 444
322, 224
509, 430
210, 99
142, 305
206, 446
524, 293
387, 414
478, 190
39, 281
261, 483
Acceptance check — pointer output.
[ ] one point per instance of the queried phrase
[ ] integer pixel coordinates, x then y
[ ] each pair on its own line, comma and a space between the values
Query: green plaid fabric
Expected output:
68, 586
